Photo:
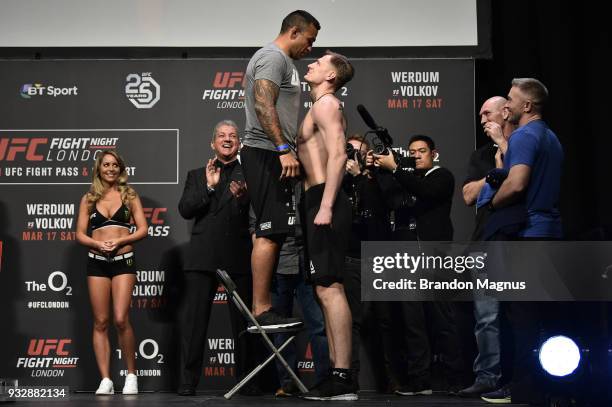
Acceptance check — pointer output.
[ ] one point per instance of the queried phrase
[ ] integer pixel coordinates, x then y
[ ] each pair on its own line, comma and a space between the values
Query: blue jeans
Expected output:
487, 365
285, 288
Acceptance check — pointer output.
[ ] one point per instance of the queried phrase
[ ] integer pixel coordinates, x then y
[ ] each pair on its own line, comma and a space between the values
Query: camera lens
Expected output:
380, 149
350, 150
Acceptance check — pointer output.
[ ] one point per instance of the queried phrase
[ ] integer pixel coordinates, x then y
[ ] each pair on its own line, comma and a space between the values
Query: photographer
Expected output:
422, 198
370, 222
426, 196
370, 210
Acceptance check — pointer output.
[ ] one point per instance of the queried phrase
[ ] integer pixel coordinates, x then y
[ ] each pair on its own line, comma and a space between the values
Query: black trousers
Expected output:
524, 319
386, 315
200, 289
422, 326
435, 319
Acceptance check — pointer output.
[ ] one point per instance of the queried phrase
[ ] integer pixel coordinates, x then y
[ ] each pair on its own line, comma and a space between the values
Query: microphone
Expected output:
381, 132
367, 118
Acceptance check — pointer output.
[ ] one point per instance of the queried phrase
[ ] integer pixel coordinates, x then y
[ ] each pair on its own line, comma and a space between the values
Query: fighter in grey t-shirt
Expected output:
268, 155
271, 63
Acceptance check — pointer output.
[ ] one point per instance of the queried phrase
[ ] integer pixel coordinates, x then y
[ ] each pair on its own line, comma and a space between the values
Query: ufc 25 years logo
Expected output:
142, 90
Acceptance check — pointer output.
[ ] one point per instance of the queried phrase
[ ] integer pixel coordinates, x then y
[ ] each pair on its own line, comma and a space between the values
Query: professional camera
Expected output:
382, 142
352, 153
379, 146
405, 163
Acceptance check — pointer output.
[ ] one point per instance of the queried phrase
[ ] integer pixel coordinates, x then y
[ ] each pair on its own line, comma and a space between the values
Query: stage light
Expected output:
559, 356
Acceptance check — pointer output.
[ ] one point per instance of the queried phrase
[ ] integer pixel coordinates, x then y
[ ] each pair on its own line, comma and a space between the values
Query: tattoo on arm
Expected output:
266, 95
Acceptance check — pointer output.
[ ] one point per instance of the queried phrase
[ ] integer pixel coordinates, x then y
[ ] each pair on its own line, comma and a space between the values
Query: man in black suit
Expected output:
423, 205
215, 197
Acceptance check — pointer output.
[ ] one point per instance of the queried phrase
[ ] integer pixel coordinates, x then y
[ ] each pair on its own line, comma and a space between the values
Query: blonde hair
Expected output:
96, 190
534, 89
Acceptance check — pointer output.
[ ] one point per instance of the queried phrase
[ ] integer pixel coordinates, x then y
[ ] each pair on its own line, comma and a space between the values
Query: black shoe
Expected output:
416, 389
331, 389
453, 390
271, 320
476, 390
501, 396
186, 391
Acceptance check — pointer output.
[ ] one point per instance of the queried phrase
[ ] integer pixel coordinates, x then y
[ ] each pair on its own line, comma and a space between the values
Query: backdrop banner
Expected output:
56, 116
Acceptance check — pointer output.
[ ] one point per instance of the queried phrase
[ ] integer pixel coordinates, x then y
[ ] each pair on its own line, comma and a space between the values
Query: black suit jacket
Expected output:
432, 205
220, 236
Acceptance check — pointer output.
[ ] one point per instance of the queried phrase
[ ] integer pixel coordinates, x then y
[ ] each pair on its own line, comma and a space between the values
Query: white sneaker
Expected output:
106, 387
131, 384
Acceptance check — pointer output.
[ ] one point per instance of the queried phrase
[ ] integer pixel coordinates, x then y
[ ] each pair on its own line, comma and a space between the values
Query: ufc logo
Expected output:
10, 147
154, 215
228, 79
44, 346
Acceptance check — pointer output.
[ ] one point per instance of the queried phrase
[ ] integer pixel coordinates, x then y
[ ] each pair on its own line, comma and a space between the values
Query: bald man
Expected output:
494, 121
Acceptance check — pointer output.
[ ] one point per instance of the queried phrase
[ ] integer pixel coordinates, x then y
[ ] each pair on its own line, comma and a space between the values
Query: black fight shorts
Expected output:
272, 199
326, 246
101, 266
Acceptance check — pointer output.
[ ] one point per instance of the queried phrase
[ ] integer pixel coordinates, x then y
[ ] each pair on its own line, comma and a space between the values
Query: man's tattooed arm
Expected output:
266, 95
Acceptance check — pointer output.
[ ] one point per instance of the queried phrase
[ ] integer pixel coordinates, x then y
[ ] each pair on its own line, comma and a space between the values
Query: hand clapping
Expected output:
213, 173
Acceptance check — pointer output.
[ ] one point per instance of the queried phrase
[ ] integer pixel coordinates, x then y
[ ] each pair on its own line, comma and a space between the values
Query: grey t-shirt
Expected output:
272, 64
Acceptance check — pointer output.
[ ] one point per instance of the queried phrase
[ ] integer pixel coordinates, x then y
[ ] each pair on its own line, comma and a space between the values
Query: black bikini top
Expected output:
121, 218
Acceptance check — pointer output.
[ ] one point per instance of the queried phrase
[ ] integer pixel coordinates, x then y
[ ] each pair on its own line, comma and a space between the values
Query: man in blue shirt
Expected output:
533, 162
526, 207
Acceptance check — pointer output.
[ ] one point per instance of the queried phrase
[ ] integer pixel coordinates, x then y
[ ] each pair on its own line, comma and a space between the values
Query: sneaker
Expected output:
106, 387
476, 390
289, 389
499, 396
131, 384
331, 389
418, 389
271, 320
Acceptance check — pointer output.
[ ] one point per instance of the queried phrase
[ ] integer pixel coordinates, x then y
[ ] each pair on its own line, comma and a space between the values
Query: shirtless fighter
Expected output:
327, 213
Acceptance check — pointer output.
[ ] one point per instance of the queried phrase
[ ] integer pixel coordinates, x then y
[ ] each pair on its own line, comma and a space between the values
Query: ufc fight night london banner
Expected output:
57, 116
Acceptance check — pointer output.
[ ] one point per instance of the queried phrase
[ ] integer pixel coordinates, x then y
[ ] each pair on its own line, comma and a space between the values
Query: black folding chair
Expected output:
230, 288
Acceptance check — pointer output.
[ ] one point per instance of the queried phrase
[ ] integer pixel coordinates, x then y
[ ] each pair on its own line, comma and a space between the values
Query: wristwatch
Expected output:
209, 189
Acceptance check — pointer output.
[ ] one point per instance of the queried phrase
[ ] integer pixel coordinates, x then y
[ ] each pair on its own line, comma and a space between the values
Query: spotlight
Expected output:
559, 356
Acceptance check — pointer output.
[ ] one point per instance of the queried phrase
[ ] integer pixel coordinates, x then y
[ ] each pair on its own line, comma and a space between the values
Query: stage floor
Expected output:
216, 399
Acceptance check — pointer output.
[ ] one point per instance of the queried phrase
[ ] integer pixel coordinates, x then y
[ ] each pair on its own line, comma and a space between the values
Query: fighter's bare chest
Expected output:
307, 129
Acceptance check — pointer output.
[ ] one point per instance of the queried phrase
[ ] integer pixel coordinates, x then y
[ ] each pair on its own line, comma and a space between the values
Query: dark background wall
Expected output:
160, 141
565, 45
